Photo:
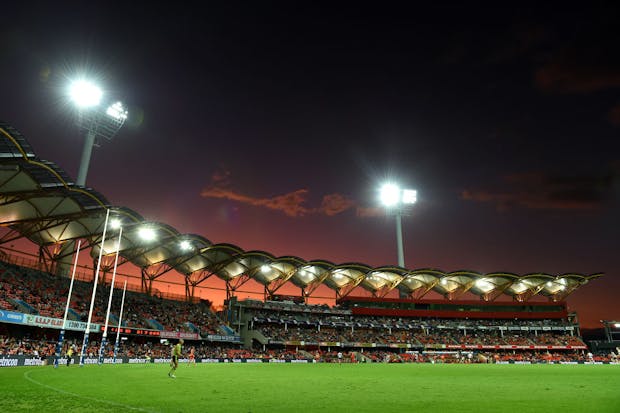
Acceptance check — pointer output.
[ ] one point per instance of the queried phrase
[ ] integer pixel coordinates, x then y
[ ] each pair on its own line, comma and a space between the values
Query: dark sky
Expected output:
271, 126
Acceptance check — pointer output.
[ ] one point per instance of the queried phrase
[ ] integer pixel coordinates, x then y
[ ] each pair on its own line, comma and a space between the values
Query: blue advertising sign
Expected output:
11, 317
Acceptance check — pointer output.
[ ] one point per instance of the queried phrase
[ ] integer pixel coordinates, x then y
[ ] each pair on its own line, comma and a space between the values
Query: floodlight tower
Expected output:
397, 200
97, 120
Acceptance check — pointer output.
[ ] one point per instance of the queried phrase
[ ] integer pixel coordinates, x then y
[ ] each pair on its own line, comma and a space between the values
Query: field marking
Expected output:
104, 401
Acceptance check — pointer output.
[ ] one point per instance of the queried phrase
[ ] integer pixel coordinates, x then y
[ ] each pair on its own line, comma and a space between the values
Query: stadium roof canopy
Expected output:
40, 202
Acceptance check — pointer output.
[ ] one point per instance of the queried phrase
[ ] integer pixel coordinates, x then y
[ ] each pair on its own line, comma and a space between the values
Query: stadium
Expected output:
438, 326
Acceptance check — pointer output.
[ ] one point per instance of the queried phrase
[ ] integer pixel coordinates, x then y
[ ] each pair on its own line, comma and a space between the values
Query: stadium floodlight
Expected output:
519, 287
147, 233
85, 94
390, 195
185, 245
396, 200
484, 285
115, 223
95, 118
117, 111
410, 196
97, 123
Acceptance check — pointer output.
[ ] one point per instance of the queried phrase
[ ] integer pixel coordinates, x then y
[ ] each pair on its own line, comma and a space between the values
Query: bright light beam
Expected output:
85, 94
390, 194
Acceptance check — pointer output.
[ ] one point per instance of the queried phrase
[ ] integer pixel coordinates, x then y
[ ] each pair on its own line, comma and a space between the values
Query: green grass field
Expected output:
305, 388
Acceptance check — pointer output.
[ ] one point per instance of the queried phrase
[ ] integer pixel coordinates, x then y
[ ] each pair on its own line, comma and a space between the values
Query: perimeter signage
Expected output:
11, 317
49, 322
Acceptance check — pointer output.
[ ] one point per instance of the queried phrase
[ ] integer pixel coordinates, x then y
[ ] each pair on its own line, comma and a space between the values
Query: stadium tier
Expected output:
373, 323
357, 330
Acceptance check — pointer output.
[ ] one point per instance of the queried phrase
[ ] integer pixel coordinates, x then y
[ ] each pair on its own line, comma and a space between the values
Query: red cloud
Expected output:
334, 204
291, 203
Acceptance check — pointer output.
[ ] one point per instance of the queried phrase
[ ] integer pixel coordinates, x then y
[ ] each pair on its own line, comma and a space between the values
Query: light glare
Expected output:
117, 111
410, 196
115, 223
519, 287
147, 234
390, 194
484, 285
85, 94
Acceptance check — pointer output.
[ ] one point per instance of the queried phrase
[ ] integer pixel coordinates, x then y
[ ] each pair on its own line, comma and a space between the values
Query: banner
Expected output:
513, 347
48, 322
179, 334
19, 361
361, 345
79, 325
15, 361
11, 317
227, 339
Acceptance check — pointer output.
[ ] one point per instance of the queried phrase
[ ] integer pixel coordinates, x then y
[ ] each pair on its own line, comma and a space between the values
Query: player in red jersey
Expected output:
192, 356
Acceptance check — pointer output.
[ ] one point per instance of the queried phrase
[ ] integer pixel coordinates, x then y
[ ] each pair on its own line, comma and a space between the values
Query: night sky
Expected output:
271, 126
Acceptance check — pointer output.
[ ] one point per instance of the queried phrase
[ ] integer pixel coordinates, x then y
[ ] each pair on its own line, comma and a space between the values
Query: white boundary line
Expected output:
104, 401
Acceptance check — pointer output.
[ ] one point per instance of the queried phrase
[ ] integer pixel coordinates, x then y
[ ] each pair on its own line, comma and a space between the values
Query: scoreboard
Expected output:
135, 331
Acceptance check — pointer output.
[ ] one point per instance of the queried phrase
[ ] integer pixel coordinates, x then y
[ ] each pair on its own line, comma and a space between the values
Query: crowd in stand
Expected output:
419, 337
488, 357
282, 323
136, 347
290, 324
35, 292
11, 346
42, 344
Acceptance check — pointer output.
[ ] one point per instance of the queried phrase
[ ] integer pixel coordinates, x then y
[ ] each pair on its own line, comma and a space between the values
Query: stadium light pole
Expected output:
98, 120
396, 200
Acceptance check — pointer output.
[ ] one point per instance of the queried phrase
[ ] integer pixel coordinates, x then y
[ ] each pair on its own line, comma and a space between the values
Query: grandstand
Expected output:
362, 324
42, 205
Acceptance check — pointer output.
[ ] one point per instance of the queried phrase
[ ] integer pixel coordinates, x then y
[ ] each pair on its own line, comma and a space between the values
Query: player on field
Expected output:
69, 355
192, 356
176, 353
